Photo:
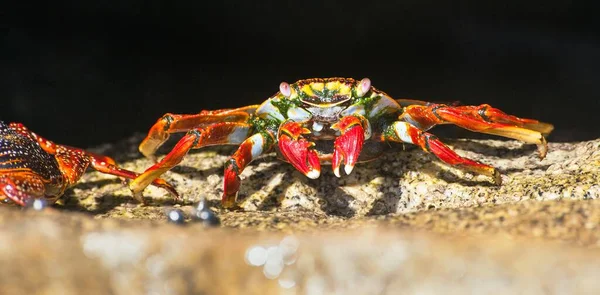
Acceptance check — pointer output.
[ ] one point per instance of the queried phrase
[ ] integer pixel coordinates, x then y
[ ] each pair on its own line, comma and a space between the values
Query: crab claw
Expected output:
347, 146
296, 150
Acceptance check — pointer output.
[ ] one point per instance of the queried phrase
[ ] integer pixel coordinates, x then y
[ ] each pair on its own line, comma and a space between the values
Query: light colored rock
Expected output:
403, 223
401, 181
57, 252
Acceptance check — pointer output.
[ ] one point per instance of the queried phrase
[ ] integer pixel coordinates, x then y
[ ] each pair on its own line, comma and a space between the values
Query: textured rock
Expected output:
404, 222
401, 181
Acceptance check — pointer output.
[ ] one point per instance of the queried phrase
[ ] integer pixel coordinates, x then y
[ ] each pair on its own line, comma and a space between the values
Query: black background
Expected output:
90, 72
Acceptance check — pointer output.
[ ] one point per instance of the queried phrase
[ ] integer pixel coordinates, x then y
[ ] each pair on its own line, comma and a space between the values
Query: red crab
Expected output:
332, 120
32, 167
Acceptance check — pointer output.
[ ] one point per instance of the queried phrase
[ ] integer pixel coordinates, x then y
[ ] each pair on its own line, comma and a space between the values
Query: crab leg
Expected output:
297, 150
103, 164
172, 123
483, 118
348, 145
73, 162
405, 132
408, 101
249, 150
219, 133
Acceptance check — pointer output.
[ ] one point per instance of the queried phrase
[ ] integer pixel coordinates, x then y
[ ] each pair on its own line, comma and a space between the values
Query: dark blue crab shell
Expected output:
22, 153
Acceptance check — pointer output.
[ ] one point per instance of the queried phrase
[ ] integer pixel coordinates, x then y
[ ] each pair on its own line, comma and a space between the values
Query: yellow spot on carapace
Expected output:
344, 89
317, 86
293, 94
333, 86
307, 90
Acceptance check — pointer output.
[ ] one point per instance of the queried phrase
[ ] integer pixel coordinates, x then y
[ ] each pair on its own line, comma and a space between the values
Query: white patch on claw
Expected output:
348, 169
401, 129
313, 174
336, 171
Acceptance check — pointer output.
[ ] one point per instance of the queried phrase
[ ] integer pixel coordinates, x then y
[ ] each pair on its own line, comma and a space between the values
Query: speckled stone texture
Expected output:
404, 223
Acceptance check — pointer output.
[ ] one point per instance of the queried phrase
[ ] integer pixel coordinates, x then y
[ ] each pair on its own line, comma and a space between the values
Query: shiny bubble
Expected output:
315, 285
256, 256
176, 216
274, 264
286, 283
204, 214
287, 279
36, 204
288, 248
202, 205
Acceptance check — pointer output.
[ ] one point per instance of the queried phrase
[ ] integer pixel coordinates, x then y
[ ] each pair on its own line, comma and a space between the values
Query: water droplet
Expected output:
286, 283
37, 204
176, 216
274, 264
205, 215
256, 256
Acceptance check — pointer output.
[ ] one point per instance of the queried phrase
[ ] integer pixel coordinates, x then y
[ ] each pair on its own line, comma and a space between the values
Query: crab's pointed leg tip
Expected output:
543, 148
348, 169
336, 171
137, 196
313, 174
497, 177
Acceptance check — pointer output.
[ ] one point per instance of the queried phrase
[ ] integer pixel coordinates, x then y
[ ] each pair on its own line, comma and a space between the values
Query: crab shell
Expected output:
318, 103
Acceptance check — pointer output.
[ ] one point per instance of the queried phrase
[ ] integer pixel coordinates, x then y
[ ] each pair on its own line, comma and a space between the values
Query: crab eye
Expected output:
363, 87
284, 88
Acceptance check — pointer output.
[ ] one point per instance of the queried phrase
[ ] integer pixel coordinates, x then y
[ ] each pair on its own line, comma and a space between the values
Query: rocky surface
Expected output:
404, 222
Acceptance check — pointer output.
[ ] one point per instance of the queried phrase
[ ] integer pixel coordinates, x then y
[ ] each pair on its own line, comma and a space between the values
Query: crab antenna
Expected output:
363, 87
284, 88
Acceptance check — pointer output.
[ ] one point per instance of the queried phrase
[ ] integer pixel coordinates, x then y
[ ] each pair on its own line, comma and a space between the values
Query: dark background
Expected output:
91, 72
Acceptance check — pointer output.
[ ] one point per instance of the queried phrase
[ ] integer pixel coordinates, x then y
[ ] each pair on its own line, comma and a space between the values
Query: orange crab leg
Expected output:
249, 150
405, 132
73, 162
172, 123
408, 101
297, 150
219, 133
104, 165
483, 118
